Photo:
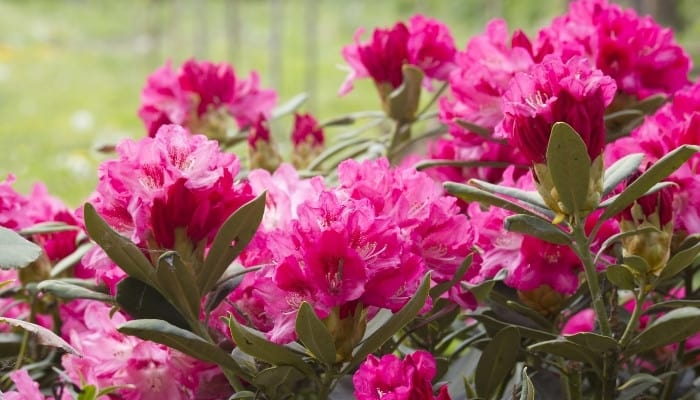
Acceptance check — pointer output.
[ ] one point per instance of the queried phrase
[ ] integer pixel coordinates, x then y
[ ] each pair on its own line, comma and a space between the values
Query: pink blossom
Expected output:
554, 91
582, 321
199, 95
27, 388
306, 130
430, 220
640, 55
392, 378
144, 370
426, 43
673, 125
259, 132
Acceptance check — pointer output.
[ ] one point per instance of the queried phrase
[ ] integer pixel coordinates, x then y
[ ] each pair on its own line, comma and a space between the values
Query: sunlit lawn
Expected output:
71, 71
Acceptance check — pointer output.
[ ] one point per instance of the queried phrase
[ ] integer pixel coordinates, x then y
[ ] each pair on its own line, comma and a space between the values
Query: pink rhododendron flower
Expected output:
306, 130
429, 219
425, 43
173, 182
202, 95
640, 55
481, 77
392, 378
554, 91
27, 388
143, 369
673, 125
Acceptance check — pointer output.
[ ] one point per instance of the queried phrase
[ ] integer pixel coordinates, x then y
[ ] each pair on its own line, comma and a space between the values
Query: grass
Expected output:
71, 71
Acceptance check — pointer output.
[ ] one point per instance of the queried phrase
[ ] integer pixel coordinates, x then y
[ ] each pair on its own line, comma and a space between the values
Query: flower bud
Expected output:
262, 151
347, 329
653, 210
307, 138
544, 300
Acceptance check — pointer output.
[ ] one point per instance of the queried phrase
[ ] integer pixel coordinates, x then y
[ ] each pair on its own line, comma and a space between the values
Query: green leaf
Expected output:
657, 172
636, 264
119, 249
240, 228
532, 198
673, 327
395, 323
442, 288
679, 262
227, 284
160, 331
569, 165
70, 291
496, 362
403, 101
314, 334
289, 106
569, 350
621, 170
143, 301
16, 251
494, 325
337, 148
636, 385
483, 289
177, 284
44, 336
242, 395
71, 260
47, 227
88, 392
620, 276
279, 381
474, 128
254, 344
594, 341
527, 391
537, 227
470, 193
670, 305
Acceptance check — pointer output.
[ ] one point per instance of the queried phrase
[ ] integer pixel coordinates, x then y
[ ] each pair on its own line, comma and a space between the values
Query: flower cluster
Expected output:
204, 97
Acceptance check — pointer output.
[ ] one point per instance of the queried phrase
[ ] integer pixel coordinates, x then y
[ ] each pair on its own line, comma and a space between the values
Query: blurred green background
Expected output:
71, 72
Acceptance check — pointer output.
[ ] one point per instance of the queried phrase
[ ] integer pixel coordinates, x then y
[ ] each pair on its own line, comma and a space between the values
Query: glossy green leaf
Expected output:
569, 165
395, 323
254, 344
119, 249
496, 362
227, 284
233, 236
537, 227
289, 106
442, 288
680, 261
527, 390
636, 385
470, 193
44, 336
673, 327
144, 301
314, 334
620, 276
569, 350
657, 172
594, 341
177, 284
16, 251
532, 198
621, 170
670, 305
160, 331
70, 291
493, 324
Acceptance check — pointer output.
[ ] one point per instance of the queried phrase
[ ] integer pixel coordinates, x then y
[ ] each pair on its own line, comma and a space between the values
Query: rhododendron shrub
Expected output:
528, 231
